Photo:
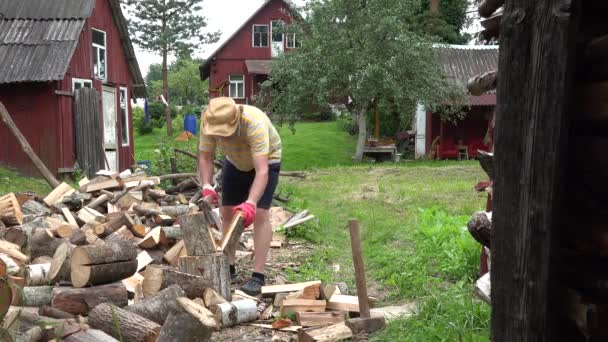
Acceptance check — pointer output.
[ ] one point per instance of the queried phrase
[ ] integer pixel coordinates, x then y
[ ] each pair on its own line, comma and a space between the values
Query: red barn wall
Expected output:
119, 75
34, 109
231, 58
472, 130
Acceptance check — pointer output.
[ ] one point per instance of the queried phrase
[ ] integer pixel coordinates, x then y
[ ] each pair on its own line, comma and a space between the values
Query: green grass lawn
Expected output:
10, 181
314, 145
415, 243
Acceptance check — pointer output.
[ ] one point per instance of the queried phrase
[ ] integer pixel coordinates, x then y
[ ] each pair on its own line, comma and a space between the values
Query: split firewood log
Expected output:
158, 306
191, 322
211, 297
102, 264
158, 277
13, 251
480, 227
35, 208
10, 210
43, 242
183, 186
212, 267
198, 238
105, 229
16, 235
132, 327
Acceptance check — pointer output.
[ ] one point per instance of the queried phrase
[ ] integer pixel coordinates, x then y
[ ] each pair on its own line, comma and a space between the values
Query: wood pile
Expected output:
118, 258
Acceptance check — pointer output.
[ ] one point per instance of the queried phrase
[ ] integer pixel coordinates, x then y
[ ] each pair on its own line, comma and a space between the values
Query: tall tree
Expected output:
155, 73
444, 23
168, 27
362, 54
185, 86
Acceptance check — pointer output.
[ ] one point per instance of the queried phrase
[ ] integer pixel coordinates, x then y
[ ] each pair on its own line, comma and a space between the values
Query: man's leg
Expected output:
262, 236
227, 215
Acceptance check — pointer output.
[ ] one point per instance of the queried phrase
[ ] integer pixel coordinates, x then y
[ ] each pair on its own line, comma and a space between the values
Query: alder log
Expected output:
215, 268
90, 335
52, 312
158, 306
43, 243
79, 301
158, 277
83, 275
191, 322
37, 295
197, 236
132, 327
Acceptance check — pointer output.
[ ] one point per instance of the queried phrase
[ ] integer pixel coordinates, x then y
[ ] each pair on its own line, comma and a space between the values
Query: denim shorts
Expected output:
236, 185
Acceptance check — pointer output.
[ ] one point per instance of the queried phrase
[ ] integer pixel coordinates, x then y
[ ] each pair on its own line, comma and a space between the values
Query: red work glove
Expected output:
209, 192
248, 211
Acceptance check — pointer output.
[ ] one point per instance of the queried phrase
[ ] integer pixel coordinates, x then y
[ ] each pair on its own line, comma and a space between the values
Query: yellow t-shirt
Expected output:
255, 136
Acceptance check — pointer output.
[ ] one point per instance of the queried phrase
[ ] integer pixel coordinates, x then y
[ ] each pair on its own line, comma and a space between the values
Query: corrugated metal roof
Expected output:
461, 62
46, 9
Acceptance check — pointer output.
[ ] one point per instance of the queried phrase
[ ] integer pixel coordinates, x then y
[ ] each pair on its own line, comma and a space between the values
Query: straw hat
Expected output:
221, 117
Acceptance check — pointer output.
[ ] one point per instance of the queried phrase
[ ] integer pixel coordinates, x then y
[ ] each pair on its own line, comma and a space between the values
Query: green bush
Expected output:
139, 121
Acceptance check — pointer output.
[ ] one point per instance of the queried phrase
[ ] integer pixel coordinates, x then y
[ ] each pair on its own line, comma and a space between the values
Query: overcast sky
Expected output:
223, 15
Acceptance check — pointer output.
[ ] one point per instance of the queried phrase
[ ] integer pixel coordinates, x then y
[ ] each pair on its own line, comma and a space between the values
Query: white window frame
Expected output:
241, 82
82, 82
253, 36
294, 45
105, 51
124, 124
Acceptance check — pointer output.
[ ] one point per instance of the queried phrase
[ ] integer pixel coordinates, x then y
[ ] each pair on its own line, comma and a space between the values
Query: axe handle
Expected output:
355, 242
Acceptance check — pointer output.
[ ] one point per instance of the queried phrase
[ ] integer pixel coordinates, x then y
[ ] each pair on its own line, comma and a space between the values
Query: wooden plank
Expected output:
302, 305
343, 303
315, 319
57, 195
270, 290
330, 333
536, 64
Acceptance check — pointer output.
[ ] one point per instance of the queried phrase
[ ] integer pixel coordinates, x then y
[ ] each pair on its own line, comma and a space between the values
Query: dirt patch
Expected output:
367, 192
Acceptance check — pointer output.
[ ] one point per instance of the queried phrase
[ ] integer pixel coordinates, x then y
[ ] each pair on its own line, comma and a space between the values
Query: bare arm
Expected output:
260, 181
205, 165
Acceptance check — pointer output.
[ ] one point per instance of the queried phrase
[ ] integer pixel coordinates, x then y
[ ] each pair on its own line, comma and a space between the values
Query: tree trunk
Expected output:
213, 267
122, 324
166, 92
158, 307
362, 125
27, 149
81, 301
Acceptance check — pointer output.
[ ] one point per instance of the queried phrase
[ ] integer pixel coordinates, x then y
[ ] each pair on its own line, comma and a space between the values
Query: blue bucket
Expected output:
190, 123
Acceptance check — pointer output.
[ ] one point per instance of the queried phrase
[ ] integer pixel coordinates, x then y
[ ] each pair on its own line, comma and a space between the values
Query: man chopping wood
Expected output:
250, 175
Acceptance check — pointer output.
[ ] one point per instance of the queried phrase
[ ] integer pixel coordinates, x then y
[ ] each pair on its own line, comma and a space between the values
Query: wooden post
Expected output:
27, 149
535, 66
355, 241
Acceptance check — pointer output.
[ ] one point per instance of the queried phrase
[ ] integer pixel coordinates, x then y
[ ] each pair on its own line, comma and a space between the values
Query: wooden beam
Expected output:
27, 149
534, 92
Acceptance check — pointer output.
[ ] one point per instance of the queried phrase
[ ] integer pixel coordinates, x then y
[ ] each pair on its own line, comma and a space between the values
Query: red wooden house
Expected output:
242, 62
462, 139
48, 50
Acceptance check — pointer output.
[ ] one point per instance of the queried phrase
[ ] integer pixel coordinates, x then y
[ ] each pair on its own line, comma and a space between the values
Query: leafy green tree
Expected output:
446, 25
168, 27
155, 73
362, 54
185, 86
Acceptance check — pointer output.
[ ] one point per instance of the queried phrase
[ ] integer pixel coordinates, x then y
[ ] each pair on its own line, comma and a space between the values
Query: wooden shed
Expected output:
51, 49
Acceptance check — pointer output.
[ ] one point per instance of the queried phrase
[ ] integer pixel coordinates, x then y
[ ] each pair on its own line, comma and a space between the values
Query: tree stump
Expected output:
132, 327
80, 301
213, 267
157, 307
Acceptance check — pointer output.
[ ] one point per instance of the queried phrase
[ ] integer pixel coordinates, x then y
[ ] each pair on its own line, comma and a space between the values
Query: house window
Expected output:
291, 41
124, 116
237, 86
78, 83
100, 61
260, 35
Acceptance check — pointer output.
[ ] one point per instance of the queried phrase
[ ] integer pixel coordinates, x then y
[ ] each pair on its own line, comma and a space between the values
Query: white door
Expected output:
277, 33
420, 132
110, 135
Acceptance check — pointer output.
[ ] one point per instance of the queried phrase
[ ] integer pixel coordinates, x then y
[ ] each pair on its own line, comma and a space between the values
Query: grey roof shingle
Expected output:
461, 62
38, 39
46, 9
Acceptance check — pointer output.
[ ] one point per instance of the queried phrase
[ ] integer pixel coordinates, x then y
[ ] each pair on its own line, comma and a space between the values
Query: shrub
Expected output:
140, 123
